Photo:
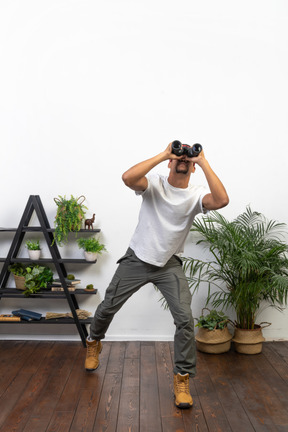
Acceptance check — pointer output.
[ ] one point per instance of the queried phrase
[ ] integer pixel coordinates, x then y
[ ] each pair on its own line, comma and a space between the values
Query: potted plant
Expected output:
19, 271
31, 278
213, 336
37, 278
34, 249
90, 288
92, 247
69, 217
248, 269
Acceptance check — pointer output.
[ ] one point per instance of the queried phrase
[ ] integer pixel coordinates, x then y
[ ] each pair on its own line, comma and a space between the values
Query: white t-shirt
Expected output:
165, 218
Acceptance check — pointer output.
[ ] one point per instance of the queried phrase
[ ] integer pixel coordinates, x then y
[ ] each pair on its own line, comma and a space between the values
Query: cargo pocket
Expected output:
184, 292
111, 292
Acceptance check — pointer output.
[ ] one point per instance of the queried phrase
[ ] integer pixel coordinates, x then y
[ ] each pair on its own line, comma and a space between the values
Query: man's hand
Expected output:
199, 160
168, 153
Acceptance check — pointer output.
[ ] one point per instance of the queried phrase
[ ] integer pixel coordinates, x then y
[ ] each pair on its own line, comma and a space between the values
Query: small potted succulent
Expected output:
90, 288
92, 247
34, 249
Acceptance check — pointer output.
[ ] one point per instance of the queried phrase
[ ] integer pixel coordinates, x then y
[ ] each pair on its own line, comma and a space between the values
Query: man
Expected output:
168, 209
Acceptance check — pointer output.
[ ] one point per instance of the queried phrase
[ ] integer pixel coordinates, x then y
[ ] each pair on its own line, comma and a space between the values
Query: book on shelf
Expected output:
25, 318
60, 288
68, 282
9, 317
27, 315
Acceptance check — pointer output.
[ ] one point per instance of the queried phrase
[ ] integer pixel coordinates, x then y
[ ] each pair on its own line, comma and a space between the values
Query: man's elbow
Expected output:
216, 204
126, 179
223, 202
129, 181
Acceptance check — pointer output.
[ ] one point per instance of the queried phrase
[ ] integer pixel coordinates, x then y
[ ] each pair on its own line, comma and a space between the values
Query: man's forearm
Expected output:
135, 178
218, 197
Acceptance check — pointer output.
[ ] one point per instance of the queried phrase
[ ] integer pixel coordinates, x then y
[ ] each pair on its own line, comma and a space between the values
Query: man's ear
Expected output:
169, 163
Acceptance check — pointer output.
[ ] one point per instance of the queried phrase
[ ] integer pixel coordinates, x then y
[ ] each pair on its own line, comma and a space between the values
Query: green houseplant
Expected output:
19, 272
69, 217
37, 278
248, 269
92, 247
33, 245
34, 277
213, 336
34, 249
213, 320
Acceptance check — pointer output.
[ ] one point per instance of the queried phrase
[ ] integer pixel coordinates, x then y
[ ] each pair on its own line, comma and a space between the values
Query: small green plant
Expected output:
70, 277
69, 216
213, 320
36, 277
91, 245
90, 287
33, 245
18, 269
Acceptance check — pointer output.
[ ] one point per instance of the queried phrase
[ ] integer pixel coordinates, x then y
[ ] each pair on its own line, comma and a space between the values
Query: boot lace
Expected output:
182, 385
91, 350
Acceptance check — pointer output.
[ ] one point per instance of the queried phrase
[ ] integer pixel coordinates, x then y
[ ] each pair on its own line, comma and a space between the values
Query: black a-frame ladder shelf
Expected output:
34, 204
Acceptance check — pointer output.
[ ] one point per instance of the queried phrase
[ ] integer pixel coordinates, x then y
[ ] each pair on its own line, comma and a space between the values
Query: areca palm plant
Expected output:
249, 265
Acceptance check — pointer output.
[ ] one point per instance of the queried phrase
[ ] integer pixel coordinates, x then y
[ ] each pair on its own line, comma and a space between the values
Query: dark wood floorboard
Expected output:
45, 388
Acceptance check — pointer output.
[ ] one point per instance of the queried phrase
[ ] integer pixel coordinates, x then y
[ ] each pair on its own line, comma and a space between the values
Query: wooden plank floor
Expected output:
44, 387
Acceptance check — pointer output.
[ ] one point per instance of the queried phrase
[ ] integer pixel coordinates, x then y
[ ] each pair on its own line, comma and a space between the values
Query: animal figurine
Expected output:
89, 222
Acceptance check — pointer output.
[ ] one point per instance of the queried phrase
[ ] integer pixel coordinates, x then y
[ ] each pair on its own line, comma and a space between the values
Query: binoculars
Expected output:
180, 149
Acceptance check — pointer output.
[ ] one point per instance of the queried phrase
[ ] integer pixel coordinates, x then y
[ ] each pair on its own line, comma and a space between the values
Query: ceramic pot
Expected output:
90, 256
34, 255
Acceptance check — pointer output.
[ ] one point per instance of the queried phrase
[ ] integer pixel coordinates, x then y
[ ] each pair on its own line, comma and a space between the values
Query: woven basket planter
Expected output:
248, 341
20, 282
213, 341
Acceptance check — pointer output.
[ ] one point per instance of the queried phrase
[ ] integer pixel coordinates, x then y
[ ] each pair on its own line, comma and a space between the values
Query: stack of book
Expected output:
71, 284
27, 315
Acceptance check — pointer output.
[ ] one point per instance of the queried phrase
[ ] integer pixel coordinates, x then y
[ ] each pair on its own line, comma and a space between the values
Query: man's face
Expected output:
183, 166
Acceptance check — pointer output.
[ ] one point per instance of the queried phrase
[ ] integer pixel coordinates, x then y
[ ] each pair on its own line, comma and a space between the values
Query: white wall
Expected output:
89, 88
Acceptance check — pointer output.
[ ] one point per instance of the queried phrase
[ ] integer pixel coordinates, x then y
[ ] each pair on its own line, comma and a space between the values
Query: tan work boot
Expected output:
92, 357
183, 399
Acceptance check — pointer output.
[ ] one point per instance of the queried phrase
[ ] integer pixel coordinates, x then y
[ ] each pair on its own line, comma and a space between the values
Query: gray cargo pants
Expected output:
130, 276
